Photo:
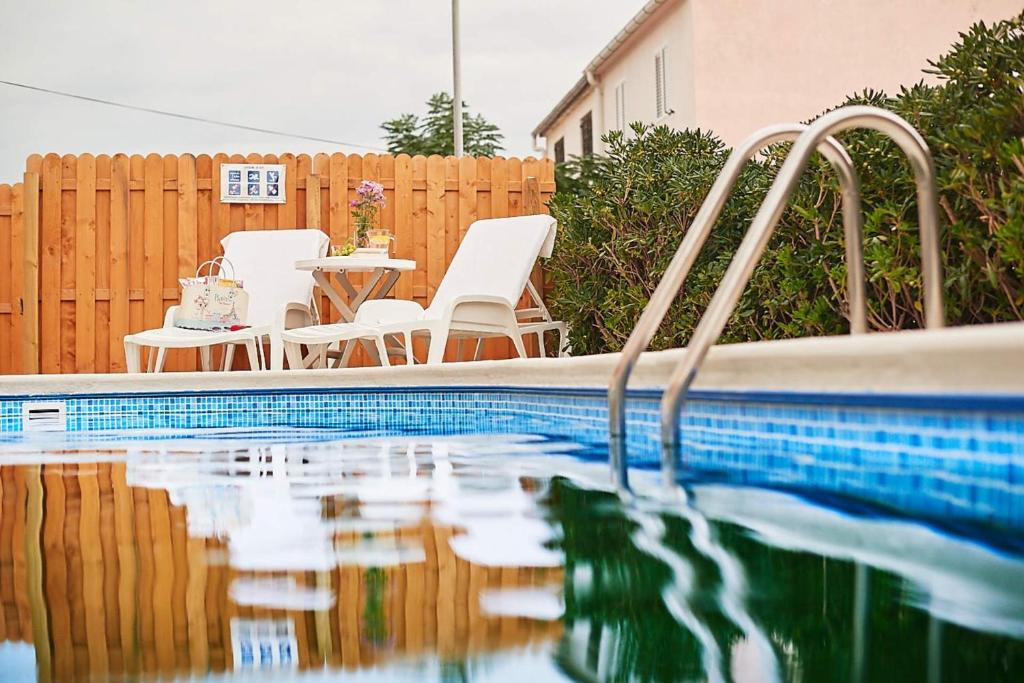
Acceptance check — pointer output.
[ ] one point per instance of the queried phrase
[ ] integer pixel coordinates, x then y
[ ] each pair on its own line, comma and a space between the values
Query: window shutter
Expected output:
560, 150
620, 107
587, 134
660, 84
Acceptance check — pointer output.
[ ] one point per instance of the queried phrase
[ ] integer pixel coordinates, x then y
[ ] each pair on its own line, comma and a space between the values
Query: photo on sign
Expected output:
253, 176
235, 189
273, 176
234, 176
272, 189
254, 189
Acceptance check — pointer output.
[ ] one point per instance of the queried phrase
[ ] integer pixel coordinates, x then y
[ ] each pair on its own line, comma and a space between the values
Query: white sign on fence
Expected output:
252, 183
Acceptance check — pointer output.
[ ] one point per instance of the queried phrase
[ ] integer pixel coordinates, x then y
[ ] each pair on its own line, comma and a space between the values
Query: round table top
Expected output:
337, 264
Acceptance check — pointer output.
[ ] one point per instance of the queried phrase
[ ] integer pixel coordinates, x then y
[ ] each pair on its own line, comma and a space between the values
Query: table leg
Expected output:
324, 282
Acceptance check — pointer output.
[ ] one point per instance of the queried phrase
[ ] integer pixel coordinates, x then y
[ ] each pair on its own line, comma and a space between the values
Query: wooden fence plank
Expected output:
188, 231
177, 360
286, 213
221, 212
30, 314
136, 241
7, 345
204, 208
313, 202
403, 217
119, 264
338, 217
85, 265
188, 216
467, 194
50, 258
153, 245
322, 169
303, 169
17, 275
271, 217
104, 169
436, 209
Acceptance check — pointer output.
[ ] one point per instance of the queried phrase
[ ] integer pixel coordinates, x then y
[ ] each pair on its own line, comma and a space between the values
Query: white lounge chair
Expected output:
476, 298
279, 297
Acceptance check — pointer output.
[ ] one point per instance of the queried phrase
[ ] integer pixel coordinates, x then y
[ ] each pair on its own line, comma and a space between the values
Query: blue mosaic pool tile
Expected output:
963, 462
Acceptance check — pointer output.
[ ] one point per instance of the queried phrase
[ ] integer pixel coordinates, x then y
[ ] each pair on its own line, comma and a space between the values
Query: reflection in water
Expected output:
469, 558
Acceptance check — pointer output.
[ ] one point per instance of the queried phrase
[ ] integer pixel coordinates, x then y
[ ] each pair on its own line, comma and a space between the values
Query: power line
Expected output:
188, 117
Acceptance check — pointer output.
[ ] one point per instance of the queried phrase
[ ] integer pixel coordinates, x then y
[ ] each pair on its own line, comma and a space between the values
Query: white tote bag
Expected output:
212, 302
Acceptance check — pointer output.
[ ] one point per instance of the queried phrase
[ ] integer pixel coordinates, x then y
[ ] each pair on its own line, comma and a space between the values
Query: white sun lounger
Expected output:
476, 298
279, 297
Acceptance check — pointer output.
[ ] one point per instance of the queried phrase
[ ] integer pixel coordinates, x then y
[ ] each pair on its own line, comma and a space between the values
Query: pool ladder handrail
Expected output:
727, 295
694, 240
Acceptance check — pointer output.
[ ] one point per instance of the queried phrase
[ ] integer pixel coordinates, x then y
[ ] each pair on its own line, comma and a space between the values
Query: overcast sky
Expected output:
328, 68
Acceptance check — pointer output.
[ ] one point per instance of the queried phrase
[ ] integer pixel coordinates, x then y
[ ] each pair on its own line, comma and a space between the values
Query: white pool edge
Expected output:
981, 359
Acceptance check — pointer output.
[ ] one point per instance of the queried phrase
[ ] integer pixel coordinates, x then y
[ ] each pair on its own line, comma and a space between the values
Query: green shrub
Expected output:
621, 218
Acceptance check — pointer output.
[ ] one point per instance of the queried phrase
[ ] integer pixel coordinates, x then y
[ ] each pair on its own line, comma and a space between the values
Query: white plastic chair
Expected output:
476, 298
279, 297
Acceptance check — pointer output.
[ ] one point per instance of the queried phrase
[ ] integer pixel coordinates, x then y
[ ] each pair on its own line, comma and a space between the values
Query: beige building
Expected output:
732, 66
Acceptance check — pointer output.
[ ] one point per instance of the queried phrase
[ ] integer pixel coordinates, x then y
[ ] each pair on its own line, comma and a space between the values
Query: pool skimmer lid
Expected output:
44, 416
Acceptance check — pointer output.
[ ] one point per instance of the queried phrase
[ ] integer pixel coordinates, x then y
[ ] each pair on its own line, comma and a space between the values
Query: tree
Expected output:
434, 132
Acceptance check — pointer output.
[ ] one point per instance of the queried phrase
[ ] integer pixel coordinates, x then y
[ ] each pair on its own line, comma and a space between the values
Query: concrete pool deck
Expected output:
981, 359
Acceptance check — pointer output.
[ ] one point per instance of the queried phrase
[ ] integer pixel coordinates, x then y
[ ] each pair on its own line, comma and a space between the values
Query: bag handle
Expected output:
218, 261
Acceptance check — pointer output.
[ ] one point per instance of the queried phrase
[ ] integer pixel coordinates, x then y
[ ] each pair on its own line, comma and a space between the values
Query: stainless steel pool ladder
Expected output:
708, 330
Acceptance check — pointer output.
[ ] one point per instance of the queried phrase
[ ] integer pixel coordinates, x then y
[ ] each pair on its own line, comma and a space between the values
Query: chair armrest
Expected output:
296, 314
169, 316
485, 310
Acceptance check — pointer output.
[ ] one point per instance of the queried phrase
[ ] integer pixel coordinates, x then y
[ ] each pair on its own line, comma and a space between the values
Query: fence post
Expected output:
531, 197
30, 287
313, 201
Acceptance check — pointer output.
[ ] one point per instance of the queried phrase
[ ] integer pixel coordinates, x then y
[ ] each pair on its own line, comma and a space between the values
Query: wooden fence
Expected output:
91, 247
104, 579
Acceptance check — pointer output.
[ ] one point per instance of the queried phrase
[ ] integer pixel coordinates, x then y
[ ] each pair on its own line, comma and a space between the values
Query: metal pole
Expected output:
457, 78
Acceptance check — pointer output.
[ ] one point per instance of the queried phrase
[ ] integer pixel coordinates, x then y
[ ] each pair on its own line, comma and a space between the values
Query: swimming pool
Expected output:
469, 533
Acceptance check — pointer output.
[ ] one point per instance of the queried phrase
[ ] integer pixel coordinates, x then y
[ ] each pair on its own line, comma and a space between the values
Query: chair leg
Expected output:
132, 357
382, 351
479, 348
517, 341
541, 352
410, 359
205, 358
346, 355
254, 355
276, 352
161, 356
438, 341
229, 357
293, 352
458, 349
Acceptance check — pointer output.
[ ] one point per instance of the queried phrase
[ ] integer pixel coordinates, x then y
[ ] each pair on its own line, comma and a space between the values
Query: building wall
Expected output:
760, 62
737, 65
672, 28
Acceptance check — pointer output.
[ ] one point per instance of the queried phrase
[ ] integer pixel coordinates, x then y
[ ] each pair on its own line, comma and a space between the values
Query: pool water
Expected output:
300, 555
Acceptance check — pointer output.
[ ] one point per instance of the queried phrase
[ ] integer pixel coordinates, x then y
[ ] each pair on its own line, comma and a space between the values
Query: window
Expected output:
661, 85
560, 150
620, 106
587, 134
